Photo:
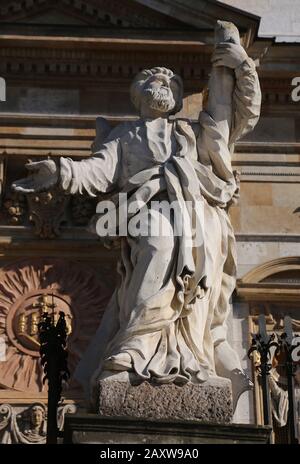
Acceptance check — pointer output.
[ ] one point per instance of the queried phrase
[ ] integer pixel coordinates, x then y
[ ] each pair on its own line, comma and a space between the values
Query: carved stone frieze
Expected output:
23, 425
82, 209
47, 211
15, 208
27, 424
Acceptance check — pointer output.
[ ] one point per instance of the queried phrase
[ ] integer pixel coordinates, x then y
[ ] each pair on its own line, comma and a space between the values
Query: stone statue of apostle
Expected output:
166, 321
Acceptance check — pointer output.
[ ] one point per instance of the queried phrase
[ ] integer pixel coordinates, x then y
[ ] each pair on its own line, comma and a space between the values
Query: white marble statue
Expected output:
167, 319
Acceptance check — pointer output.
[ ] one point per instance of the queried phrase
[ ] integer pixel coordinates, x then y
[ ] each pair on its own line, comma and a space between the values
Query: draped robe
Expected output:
171, 306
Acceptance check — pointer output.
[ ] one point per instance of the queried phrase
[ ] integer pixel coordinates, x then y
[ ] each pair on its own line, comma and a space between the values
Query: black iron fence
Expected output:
52, 336
267, 348
273, 350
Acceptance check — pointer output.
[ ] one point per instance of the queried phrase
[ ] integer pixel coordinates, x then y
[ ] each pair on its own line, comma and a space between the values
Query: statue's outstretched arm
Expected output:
96, 174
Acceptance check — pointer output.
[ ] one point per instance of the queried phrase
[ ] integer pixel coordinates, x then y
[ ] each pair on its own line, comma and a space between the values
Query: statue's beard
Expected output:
160, 99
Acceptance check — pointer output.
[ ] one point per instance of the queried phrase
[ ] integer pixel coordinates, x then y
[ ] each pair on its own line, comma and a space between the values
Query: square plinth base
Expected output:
207, 402
94, 429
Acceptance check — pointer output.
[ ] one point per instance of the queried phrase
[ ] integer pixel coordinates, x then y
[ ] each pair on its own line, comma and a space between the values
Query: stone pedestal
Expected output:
207, 402
95, 429
146, 413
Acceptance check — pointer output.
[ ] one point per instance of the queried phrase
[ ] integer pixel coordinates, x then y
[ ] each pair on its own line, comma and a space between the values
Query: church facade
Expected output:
64, 65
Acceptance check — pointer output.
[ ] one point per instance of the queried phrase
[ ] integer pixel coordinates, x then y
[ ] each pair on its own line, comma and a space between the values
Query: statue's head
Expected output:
159, 89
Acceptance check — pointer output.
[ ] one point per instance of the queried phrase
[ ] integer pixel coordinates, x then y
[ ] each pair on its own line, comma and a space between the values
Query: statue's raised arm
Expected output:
234, 92
233, 105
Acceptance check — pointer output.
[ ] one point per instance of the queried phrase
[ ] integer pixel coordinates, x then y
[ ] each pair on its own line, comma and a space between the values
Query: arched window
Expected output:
273, 289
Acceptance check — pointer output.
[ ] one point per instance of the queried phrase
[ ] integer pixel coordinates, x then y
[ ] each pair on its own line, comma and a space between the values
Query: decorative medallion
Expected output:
27, 288
24, 317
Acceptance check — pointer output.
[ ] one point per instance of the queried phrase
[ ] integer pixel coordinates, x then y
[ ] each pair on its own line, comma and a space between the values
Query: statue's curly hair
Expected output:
141, 78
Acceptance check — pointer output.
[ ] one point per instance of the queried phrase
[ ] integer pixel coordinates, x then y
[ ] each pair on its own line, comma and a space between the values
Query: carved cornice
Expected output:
282, 175
23, 53
152, 14
282, 238
119, 66
285, 148
273, 162
268, 293
110, 13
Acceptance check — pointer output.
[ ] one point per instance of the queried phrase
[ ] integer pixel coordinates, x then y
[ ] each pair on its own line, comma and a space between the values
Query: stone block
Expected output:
207, 402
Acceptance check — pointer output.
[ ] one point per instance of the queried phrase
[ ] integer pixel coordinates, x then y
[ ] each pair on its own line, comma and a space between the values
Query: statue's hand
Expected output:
44, 175
229, 54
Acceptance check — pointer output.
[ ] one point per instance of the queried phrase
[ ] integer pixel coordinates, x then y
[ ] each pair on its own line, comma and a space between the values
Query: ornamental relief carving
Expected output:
28, 424
29, 287
48, 211
14, 208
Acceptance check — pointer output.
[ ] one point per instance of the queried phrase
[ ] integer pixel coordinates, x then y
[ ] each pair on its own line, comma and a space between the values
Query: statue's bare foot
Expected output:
121, 376
118, 362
